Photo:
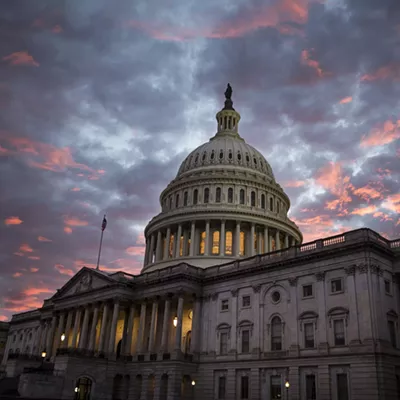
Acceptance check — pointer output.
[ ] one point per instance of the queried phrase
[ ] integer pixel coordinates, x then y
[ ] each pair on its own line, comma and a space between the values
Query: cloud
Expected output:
135, 251
25, 248
346, 100
20, 58
43, 239
391, 72
64, 271
13, 221
388, 132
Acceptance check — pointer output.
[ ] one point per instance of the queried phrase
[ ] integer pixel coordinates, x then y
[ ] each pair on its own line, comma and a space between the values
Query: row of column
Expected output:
262, 240
68, 330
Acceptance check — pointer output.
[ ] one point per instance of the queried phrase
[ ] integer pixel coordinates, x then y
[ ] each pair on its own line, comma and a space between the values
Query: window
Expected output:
230, 195
271, 204
170, 202
242, 245
246, 301
307, 291
336, 285
342, 387
215, 243
338, 332
255, 242
206, 195
263, 201
228, 243
185, 199
276, 296
221, 387
276, 334
245, 341
171, 246
224, 305
244, 387
253, 199
276, 387
277, 207
181, 246
218, 195
223, 343
309, 335
387, 287
202, 242
311, 389
195, 196
177, 201
241, 196
392, 333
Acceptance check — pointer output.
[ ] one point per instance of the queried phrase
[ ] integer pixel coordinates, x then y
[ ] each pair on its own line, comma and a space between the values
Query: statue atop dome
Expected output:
228, 92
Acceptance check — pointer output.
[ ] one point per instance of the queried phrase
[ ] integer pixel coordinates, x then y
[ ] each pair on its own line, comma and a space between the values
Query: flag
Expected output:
104, 224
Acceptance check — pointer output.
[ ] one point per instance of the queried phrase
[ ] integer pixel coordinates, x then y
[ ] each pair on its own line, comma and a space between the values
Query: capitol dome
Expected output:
224, 203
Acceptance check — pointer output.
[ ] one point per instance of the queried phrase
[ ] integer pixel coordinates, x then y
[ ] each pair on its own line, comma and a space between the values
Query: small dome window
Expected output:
195, 196
239, 156
230, 155
196, 160
206, 198
221, 154
204, 156
218, 195
230, 195
212, 155
255, 161
241, 195
247, 158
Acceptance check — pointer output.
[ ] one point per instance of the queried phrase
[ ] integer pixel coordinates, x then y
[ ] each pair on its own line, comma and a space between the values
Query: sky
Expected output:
100, 101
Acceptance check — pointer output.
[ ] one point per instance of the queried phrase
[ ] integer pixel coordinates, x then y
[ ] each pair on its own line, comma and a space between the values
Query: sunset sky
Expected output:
101, 100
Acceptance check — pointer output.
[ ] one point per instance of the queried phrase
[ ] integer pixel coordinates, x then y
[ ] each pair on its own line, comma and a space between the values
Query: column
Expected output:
76, 328
208, 239
153, 325
146, 252
36, 345
192, 239
128, 344
364, 297
92, 338
353, 327
277, 240
7, 349
257, 335
260, 247
44, 337
237, 239
84, 330
178, 241
124, 330
252, 232
293, 241
152, 243
165, 327
221, 241
114, 322
323, 328
234, 322
50, 338
60, 331
159, 246
106, 310
166, 246
294, 337
286, 241
266, 240
64, 344
142, 322
196, 326
178, 333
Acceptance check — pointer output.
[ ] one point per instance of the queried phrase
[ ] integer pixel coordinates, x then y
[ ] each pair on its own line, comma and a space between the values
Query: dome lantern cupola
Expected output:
228, 118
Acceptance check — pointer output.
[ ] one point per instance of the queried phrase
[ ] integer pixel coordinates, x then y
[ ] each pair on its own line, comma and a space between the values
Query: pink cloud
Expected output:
21, 58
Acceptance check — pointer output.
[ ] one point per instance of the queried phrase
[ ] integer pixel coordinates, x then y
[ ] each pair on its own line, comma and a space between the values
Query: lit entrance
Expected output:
83, 389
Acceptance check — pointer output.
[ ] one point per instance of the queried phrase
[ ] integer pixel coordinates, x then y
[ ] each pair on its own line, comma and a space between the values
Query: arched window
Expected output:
218, 195
277, 207
253, 198
241, 196
271, 204
206, 195
170, 202
185, 199
242, 245
215, 243
263, 201
177, 201
276, 334
230, 195
228, 243
195, 196
202, 246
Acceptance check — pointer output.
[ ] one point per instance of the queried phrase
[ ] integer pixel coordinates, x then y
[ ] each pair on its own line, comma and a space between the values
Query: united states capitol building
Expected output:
230, 304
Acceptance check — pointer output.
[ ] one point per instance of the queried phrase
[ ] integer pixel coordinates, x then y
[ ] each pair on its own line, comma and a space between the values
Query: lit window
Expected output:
255, 241
215, 242
181, 246
230, 195
309, 335
336, 285
218, 195
223, 343
246, 301
253, 199
224, 305
206, 195
276, 334
338, 332
171, 246
241, 196
242, 247
228, 243
202, 242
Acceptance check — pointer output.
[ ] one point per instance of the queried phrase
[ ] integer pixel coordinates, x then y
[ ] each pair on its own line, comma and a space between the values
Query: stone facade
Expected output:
229, 305
3, 337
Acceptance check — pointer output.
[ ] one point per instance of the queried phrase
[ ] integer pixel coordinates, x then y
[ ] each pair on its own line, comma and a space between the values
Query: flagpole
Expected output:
103, 227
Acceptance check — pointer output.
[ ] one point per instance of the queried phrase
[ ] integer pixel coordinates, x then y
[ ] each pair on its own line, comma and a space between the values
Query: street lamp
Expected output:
287, 386
44, 354
63, 337
193, 383
175, 322
76, 389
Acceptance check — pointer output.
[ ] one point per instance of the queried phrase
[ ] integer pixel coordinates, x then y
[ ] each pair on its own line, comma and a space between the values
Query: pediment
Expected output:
85, 280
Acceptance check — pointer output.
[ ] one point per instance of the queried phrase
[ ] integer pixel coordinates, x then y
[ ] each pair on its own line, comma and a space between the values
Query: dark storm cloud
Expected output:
101, 101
